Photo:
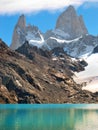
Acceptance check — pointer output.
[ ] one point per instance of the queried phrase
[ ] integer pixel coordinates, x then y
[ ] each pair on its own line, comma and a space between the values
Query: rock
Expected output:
21, 22
29, 51
83, 63
3, 46
95, 50
71, 24
19, 33
60, 77
81, 46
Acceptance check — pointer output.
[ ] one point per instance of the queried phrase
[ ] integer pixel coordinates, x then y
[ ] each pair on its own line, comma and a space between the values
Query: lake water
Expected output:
49, 117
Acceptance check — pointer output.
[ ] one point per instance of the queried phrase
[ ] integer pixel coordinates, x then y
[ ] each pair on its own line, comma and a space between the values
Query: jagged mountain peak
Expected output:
21, 21
71, 23
70, 9
23, 32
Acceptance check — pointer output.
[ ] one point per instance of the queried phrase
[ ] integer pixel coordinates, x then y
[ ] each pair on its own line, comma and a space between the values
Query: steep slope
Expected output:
82, 46
39, 80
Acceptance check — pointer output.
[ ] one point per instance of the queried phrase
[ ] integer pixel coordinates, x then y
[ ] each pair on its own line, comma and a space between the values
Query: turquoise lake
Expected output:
49, 117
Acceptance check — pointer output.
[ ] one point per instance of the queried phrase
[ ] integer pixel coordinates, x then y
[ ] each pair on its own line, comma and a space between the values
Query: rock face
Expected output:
82, 46
22, 22
95, 50
23, 32
19, 33
71, 24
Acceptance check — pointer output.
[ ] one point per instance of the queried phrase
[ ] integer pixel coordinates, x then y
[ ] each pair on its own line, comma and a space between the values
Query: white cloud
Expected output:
29, 6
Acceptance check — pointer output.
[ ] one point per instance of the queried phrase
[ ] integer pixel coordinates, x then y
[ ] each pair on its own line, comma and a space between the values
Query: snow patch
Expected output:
18, 30
65, 41
73, 59
61, 58
92, 69
54, 58
87, 76
58, 40
18, 83
91, 85
38, 43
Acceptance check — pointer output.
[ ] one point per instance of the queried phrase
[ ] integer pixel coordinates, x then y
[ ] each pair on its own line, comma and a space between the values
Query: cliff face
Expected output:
71, 24
19, 33
38, 77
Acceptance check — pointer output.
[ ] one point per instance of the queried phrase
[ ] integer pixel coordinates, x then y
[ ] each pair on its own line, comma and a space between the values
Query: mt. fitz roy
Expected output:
70, 34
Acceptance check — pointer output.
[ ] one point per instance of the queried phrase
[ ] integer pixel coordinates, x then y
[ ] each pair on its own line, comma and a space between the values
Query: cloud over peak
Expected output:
30, 6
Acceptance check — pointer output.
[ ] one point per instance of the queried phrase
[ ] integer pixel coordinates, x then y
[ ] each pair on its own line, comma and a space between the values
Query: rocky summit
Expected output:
72, 24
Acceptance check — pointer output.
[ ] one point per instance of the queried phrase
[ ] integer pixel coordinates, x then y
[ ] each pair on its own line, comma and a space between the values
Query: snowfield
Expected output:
90, 76
65, 41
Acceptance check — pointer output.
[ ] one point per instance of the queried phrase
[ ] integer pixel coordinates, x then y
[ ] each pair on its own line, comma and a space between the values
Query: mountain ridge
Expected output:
80, 43
39, 79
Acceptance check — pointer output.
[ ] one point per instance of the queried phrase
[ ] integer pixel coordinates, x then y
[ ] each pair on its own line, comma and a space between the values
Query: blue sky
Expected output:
44, 16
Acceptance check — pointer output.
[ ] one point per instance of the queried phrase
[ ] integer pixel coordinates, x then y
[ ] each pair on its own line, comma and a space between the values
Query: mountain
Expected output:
66, 49
40, 77
70, 34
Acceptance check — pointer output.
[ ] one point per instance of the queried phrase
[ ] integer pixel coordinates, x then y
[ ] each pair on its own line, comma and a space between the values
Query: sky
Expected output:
44, 13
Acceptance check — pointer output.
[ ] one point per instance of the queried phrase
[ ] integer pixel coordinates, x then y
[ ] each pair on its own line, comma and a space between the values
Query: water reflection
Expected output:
48, 119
